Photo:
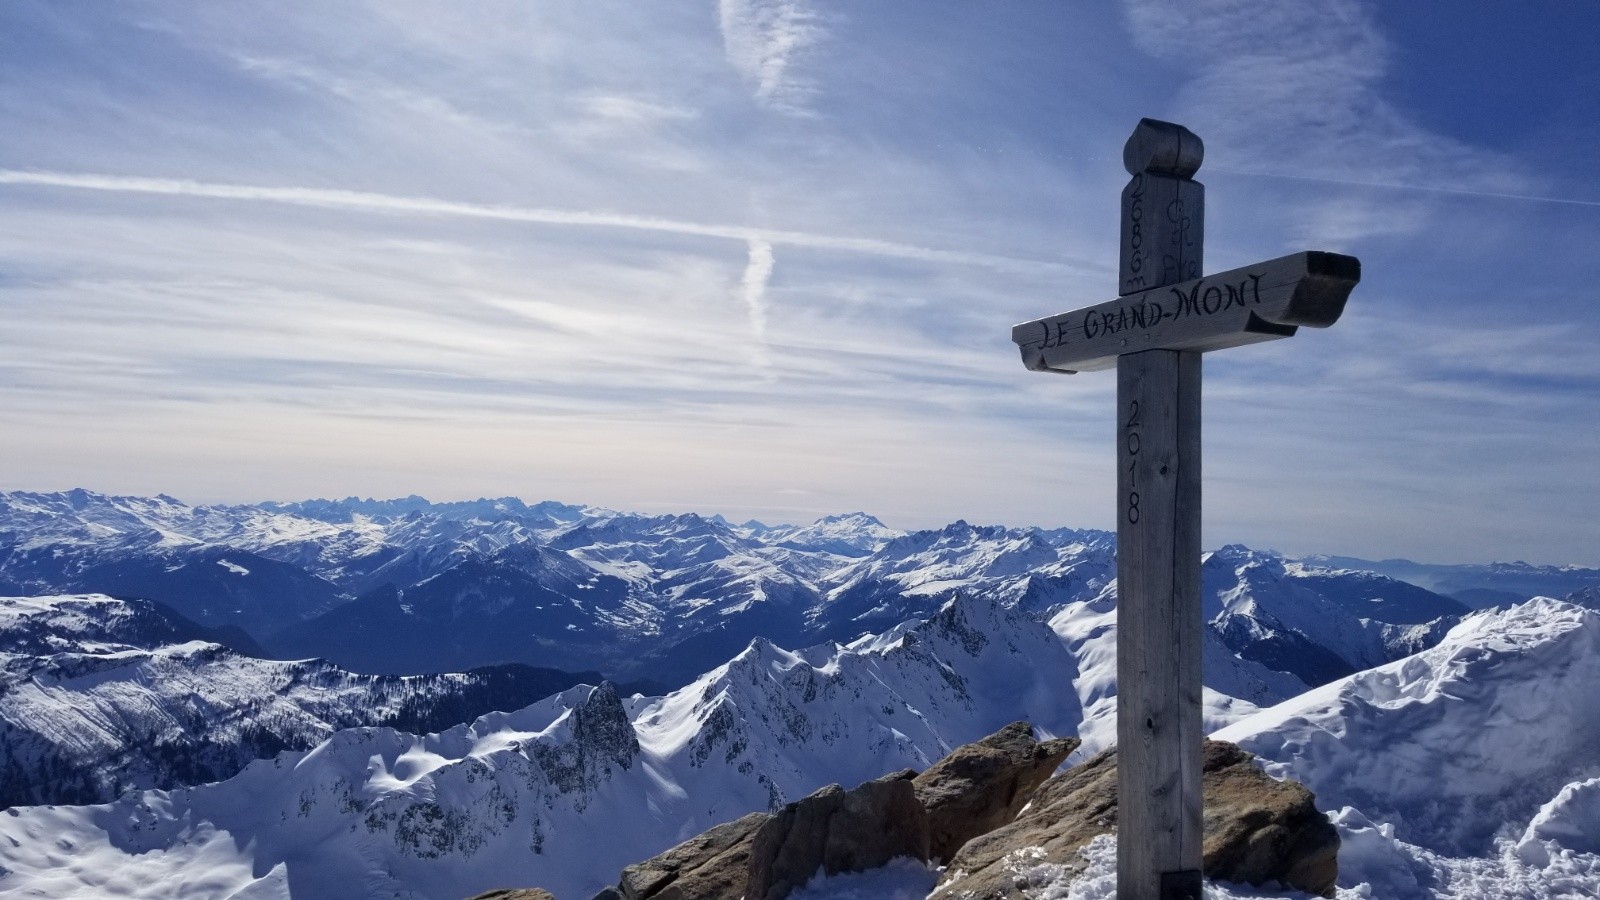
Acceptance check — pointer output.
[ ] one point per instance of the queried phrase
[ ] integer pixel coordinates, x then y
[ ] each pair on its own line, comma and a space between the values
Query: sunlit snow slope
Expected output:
99, 695
1466, 770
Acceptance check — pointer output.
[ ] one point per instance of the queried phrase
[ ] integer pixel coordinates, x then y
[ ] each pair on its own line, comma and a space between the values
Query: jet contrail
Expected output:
365, 201
753, 286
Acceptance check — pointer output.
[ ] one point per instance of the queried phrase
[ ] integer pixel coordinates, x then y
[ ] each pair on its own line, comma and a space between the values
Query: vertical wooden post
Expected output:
1159, 730
1155, 333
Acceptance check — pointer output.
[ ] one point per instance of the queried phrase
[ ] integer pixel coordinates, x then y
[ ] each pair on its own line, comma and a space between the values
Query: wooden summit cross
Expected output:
1154, 333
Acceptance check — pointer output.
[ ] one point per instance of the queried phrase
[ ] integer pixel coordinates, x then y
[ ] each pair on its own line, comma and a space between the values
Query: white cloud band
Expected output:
365, 201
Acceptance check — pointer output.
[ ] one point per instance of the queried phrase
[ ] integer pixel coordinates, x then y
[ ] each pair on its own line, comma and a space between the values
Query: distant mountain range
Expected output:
1479, 586
408, 586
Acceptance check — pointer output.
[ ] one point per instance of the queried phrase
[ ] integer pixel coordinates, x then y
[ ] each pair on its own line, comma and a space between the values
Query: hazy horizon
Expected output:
737, 518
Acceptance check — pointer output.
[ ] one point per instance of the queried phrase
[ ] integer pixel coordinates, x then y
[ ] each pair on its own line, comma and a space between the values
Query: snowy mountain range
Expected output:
1478, 586
1466, 770
407, 586
133, 676
568, 790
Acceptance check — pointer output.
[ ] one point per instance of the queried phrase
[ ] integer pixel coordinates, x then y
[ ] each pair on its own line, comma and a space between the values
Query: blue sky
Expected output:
761, 257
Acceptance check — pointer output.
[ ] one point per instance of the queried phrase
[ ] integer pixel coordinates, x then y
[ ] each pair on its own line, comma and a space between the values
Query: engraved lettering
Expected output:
1136, 227
1187, 306
1141, 315
1134, 442
1235, 296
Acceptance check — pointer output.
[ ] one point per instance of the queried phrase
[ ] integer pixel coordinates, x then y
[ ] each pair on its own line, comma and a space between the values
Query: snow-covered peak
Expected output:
99, 695
1452, 743
937, 560
950, 672
78, 623
848, 534
352, 509
1016, 567
1589, 597
1316, 623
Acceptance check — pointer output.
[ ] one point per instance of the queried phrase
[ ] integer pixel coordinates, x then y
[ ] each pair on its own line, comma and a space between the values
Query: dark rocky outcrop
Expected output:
710, 866
515, 894
836, 830
1257, 830
765, 857
982, 786
602, 738
1068, 811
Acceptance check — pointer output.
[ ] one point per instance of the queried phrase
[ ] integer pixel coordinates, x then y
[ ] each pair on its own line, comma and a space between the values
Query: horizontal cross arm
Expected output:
1262, 302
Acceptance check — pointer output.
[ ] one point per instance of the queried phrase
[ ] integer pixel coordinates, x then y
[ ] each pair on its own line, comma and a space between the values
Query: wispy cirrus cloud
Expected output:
366, 201
1297, 90
766, 40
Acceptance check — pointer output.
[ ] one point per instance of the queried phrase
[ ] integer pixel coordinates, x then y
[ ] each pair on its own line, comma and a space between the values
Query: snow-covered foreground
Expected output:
566, 792
1467, 770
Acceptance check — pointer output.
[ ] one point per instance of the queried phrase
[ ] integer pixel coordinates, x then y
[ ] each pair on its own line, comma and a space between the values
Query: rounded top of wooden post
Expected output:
1163, 148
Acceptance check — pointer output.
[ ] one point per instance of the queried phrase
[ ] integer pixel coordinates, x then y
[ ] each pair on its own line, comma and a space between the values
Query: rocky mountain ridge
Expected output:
99, 696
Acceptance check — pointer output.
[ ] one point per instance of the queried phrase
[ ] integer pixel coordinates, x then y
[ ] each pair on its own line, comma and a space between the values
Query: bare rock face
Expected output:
515, 894
982, 786
1068, 811
710, 866
837, 831
760, 857
1257, 830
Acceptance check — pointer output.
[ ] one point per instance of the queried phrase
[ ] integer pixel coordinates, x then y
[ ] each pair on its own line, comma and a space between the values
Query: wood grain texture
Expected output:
1164, 148
1159, 619
1261, 302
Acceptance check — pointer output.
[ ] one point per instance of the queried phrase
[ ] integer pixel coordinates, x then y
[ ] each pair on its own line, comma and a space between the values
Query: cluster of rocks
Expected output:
1258, 831
975, 811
